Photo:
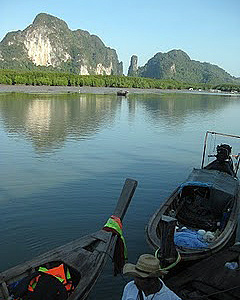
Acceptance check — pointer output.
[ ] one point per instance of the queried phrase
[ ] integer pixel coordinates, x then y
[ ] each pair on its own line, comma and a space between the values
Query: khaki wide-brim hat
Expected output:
146, 266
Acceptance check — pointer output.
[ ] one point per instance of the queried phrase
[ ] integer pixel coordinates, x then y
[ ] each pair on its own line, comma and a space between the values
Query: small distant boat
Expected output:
122, 93
216, 277
82, 259
203, 210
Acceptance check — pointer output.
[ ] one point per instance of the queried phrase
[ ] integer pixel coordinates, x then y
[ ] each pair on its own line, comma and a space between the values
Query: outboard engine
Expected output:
223, 152
223, 161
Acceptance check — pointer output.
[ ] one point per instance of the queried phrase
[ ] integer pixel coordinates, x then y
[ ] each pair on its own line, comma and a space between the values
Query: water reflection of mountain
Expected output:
48, 120
174, 108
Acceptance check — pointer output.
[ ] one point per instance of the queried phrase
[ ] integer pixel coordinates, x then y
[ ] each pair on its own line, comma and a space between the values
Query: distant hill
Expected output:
176, 64
48, 42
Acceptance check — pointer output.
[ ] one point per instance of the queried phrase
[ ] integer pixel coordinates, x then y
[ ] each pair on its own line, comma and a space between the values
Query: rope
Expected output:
172, 265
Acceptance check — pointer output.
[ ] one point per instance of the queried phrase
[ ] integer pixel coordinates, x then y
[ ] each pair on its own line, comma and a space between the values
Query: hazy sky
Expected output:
207, 30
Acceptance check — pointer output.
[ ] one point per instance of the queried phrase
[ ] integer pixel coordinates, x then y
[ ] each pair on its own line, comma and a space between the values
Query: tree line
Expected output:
38, 78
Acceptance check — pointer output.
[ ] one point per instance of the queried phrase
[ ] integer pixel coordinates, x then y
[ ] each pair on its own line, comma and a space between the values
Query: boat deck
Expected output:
210, 278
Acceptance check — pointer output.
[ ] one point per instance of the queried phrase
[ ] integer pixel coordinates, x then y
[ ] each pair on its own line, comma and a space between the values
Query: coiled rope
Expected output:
172, 265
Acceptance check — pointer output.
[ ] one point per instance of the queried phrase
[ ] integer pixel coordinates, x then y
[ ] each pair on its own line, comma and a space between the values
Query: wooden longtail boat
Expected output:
84, 258
203, 211
216, 277
122, 93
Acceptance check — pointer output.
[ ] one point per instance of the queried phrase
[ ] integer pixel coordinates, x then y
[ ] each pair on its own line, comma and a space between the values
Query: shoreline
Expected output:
95, 90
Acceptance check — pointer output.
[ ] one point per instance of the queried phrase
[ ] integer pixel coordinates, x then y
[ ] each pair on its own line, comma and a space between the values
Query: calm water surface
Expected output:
64, 159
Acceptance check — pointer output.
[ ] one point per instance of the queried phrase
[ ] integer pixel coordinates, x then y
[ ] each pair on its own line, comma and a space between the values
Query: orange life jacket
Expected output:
57, 272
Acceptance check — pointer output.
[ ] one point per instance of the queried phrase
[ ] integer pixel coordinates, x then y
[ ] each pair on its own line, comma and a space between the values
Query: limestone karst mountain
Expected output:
48, 42
176, 64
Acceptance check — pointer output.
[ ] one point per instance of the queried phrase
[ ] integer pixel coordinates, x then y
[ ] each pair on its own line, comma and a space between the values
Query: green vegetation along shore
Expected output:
36, 78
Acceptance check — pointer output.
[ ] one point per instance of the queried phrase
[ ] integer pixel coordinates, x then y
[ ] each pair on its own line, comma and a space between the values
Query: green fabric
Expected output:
68, 274
34, 285
113, 224
42, 269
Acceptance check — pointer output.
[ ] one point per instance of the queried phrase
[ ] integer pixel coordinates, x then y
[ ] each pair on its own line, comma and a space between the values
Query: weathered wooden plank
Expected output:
167, 253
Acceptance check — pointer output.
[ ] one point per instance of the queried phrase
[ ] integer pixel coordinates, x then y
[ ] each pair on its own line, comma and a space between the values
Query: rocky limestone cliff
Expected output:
48, 42
133, 68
